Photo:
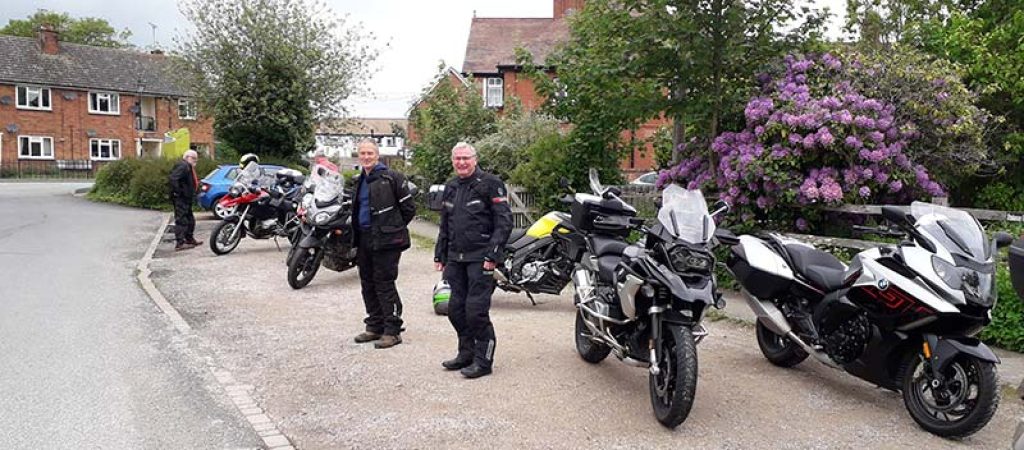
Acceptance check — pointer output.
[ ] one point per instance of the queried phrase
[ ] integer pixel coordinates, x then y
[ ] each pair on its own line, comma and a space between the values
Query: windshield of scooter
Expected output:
684, 213
327, 184
957, 231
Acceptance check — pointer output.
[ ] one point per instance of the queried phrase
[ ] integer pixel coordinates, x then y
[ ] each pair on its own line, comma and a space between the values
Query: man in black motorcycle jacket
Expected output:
382, 209
475, 224
183, 183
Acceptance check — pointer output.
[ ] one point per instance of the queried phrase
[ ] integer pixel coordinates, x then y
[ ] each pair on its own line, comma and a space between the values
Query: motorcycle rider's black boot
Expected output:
464, 358
475, 371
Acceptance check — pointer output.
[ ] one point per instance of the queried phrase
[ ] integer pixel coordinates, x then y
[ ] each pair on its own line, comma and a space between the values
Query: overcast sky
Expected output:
413, 36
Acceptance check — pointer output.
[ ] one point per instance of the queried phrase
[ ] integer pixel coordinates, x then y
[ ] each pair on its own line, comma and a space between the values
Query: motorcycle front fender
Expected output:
945, 349
313, 238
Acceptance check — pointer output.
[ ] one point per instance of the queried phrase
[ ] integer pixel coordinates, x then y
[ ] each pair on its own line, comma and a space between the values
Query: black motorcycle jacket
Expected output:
391, 209
475, 220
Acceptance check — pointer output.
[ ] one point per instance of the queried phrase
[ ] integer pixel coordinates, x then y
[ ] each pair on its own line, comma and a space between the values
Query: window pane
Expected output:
48, 148
22, 96
103, 103
23, 146
33, 98
92, 101
115, 106
46, 98
115, 149
94, 148
35, 148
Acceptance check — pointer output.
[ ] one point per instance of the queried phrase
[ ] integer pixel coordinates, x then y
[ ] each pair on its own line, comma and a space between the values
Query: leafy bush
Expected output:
1007, 327
113, 178
149, 185
540, 176
505, 149
811, 140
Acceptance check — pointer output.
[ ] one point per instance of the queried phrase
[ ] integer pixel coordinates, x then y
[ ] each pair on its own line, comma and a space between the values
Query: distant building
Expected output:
75, 107
338, 137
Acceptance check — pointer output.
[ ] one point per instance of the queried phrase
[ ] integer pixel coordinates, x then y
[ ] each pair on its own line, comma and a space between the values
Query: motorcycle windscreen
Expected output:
1017, 267
684, 213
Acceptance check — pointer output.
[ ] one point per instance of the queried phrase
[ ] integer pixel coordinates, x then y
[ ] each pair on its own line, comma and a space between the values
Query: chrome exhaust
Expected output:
772, 318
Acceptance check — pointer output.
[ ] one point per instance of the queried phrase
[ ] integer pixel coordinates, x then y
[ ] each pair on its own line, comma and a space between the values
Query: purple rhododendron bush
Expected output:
814, 138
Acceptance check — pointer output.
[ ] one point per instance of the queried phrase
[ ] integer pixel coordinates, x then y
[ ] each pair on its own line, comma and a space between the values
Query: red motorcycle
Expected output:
262, 212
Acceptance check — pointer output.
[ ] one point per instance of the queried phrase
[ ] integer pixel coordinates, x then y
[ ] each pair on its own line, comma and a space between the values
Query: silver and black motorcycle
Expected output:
324, 235
644, 302
900, 316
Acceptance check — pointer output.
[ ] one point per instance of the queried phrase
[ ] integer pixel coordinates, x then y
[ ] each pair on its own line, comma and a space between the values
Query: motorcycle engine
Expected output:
848, 340
533, 271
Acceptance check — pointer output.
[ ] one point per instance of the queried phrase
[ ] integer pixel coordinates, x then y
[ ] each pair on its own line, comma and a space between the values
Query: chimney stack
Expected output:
563, 8
48, 40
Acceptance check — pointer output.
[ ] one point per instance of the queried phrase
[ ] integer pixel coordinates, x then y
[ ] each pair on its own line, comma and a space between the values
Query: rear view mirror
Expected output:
1002, 239
721, 207
563, 183
894, 214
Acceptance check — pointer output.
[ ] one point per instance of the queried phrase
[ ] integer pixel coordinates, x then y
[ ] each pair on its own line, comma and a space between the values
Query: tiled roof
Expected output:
86, 67
493, 41
357, 126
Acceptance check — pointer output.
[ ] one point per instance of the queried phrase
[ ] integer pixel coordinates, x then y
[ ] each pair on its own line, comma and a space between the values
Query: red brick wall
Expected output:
69, 122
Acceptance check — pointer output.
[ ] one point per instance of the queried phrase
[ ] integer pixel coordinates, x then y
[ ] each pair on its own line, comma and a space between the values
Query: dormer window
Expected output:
104, 103
494, 92
33, 97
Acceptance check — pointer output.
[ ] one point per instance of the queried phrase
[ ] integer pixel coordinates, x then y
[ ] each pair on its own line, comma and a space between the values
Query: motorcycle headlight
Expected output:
321, 217
684, 260
952, 275
235, 190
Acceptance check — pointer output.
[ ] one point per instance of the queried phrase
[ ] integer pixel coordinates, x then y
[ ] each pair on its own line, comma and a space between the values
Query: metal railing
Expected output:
145, 123
69, 169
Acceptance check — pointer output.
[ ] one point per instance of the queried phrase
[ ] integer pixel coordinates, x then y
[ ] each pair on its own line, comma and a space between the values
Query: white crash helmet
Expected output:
442, 293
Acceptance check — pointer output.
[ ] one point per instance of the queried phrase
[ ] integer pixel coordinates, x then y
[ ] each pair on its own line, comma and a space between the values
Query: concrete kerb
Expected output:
240, 394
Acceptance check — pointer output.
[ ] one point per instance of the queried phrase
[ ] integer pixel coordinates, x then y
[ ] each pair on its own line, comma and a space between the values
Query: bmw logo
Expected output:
883, 284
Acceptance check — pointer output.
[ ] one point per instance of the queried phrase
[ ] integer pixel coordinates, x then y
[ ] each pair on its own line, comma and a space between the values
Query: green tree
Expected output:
85, 30
629, 61
446, 115
267, 70
504, 150
887, 22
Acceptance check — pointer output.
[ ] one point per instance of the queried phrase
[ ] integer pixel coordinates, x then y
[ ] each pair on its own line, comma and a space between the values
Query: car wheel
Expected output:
221, 211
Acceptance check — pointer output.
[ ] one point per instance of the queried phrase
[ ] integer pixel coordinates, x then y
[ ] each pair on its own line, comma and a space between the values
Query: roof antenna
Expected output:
474, 14
153, 26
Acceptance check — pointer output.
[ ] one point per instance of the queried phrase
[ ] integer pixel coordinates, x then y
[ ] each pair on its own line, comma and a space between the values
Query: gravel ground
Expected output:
325, 391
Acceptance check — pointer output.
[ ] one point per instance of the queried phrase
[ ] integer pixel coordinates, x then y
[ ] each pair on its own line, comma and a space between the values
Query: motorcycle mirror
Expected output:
1002, 239
895, 215
563, 183
612, 190
721, 207
658, 201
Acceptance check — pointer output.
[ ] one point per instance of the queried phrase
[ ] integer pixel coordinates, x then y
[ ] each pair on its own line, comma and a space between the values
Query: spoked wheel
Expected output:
675, 385
303, 266
779, 350
591, 352
224, 238
958, 406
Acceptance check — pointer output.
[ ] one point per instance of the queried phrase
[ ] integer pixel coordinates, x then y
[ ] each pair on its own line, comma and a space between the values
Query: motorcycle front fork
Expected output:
654, 346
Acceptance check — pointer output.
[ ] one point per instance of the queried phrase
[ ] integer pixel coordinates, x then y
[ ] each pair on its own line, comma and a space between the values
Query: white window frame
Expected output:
40, 90
111, 150
35, 139
498, 85
191, 109
113, 103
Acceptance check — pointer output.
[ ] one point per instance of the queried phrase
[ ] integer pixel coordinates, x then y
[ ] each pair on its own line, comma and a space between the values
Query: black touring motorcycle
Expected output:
900, 316
324, 236
644, 302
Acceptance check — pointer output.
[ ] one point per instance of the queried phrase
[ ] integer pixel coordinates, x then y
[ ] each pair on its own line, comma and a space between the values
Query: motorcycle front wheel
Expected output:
958, 407
221, 241
303, 266
591, 352
674, 387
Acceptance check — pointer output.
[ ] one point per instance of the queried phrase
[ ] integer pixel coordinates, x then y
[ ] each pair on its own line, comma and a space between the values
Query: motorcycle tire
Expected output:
674, 388
972, 375
303, 267
778, 350
591, 352
220, 238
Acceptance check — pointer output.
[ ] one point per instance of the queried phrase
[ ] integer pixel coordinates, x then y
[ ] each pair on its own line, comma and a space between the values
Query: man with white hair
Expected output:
183, 183
475, 223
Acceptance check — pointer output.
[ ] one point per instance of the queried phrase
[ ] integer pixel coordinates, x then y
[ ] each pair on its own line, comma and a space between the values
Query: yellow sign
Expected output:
176, 143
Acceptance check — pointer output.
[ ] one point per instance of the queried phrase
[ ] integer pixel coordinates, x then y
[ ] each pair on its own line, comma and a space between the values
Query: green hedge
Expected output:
1007, 327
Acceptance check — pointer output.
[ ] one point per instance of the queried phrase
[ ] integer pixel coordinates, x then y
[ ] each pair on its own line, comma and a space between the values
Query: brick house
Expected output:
491, 64
71, 107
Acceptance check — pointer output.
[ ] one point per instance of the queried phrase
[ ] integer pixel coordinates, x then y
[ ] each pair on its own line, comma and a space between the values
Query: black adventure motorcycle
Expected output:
900, 316
324, 236
644, 302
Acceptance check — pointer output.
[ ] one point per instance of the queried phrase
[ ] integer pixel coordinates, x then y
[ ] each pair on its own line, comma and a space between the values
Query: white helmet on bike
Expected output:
248, 158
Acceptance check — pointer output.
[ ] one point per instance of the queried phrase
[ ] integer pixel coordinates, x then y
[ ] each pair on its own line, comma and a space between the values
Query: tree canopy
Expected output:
85, 30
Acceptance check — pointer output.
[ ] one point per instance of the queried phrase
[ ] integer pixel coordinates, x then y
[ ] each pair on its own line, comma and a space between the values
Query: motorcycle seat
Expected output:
516, 234
820, 268
608, 246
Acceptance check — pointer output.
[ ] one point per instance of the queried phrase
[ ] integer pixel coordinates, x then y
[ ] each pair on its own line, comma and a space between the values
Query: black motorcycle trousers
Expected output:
378, 271
184, 221
469, 310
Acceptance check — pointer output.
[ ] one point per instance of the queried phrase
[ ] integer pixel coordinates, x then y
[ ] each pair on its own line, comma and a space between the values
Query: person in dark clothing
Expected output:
382, 210
475, 223
183, 183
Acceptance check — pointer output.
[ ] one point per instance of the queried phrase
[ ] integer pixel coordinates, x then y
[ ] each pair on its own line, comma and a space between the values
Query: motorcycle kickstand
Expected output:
277, 244
530, 296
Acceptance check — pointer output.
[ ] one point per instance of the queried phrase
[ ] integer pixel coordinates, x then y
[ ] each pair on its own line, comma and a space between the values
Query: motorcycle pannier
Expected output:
603, 216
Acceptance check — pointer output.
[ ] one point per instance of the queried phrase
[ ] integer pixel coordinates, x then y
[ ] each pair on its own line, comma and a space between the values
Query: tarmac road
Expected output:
87, 359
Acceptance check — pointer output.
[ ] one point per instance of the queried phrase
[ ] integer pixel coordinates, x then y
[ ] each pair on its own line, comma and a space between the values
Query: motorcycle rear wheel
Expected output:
303, 267
960, 408
777, 349
220, 239
674, 388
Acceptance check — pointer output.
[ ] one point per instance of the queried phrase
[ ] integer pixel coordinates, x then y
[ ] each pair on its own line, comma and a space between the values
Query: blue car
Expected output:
216, 185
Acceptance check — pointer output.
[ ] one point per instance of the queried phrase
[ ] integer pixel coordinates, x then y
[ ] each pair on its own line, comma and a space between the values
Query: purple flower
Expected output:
831, 192
844, 117
895, 186
762, 202
853, 142
825, 137
864, 122
864, 191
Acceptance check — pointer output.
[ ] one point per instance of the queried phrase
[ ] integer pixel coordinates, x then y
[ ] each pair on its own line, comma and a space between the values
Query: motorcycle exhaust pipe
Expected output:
772, 318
